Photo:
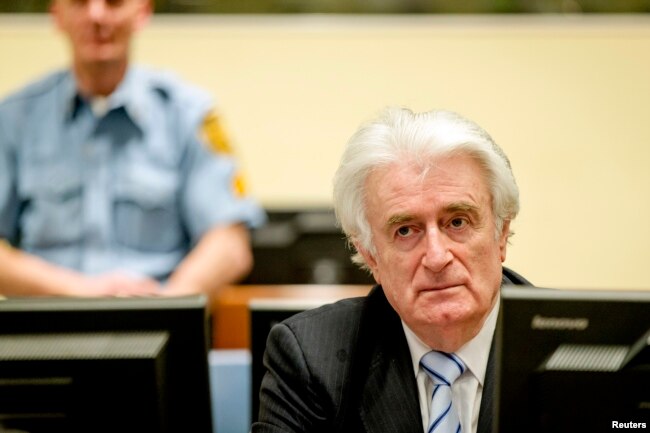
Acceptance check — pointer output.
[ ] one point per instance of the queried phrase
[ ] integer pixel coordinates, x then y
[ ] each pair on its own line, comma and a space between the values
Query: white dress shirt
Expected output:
468, 388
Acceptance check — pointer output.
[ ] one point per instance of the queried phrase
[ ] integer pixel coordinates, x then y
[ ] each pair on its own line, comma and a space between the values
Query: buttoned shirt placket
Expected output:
97, 208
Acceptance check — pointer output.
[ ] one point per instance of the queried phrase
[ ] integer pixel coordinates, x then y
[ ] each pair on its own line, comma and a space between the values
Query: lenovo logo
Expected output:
559, 323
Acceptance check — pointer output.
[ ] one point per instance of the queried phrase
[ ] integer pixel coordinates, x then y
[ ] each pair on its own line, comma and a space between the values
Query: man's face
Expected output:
100, 30
436, 257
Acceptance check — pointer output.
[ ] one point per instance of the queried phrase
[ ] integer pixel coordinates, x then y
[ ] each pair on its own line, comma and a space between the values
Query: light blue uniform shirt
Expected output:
131, 190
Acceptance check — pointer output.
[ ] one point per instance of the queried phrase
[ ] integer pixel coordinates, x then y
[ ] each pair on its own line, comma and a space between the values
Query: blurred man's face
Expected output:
100, 30
437, 256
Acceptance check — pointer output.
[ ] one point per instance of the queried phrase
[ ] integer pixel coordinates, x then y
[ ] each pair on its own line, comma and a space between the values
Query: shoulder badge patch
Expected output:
214, 135
238, 185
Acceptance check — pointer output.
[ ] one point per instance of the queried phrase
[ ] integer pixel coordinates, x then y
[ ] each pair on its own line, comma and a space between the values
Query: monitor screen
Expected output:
264, 314
572, 360
104, 365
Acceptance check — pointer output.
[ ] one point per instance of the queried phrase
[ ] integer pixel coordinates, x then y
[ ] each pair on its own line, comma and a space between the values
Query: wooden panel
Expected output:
231, 317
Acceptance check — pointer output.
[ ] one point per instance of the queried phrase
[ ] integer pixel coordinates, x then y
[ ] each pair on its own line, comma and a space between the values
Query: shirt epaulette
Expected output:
35, 89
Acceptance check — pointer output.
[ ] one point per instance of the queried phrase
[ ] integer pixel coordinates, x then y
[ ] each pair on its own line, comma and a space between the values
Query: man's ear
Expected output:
370, 261
55, 13
145, 10
503, 239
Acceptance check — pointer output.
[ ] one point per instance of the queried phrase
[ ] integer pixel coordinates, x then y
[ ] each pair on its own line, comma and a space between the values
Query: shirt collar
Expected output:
127, 95
474, 353
70, 97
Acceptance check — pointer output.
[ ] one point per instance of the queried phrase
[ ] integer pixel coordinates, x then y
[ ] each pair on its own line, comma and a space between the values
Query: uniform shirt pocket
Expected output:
146, 212
51, 203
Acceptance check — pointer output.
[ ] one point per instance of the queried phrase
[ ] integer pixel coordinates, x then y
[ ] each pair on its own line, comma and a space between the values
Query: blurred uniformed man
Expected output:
117, 180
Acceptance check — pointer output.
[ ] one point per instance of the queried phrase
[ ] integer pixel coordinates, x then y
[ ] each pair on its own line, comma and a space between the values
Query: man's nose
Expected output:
97, 9
437, 255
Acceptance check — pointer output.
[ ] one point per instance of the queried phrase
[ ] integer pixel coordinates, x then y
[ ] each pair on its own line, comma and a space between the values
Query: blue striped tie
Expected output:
443, 369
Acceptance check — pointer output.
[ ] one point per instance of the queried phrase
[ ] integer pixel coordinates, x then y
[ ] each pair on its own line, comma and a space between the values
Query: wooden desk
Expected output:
231, 317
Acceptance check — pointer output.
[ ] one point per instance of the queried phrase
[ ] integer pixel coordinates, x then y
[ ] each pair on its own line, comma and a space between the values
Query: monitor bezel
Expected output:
186, 321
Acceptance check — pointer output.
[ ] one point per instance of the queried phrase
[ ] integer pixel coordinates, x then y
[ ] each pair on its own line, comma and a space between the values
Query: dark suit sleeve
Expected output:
288, 400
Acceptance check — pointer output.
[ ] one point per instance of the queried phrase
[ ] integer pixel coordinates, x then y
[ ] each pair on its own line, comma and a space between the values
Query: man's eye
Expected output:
404, 231
458, 223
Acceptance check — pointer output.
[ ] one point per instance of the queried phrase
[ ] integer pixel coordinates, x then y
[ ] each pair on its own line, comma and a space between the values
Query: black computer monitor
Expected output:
264, 314
104, 365
572, 360
303, 246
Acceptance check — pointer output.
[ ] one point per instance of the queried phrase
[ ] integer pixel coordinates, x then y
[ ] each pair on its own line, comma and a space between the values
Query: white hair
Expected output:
400, 135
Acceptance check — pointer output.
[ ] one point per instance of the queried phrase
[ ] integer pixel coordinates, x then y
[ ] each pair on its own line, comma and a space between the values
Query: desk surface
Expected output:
231, 317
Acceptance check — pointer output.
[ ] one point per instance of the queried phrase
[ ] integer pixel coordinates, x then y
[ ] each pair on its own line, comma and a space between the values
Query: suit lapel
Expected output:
486, 414
489, 401
388, 400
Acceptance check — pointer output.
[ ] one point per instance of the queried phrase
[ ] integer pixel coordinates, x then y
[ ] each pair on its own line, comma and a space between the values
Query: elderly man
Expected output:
427, 201
117, 180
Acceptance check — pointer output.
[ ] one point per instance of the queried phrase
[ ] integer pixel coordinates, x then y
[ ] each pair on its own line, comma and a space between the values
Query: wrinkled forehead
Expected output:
450, 180
424, 170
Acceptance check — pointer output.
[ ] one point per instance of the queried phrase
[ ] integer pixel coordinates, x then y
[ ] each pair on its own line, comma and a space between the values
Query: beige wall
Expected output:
567, 98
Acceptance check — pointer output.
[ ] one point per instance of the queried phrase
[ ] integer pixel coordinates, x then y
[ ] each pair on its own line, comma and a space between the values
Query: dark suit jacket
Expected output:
346, 367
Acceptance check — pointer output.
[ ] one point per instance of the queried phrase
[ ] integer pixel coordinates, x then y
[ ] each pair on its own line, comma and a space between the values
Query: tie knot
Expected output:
442, 368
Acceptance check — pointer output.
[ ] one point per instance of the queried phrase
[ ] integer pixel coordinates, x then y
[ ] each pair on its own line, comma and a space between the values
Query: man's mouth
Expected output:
440, 287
